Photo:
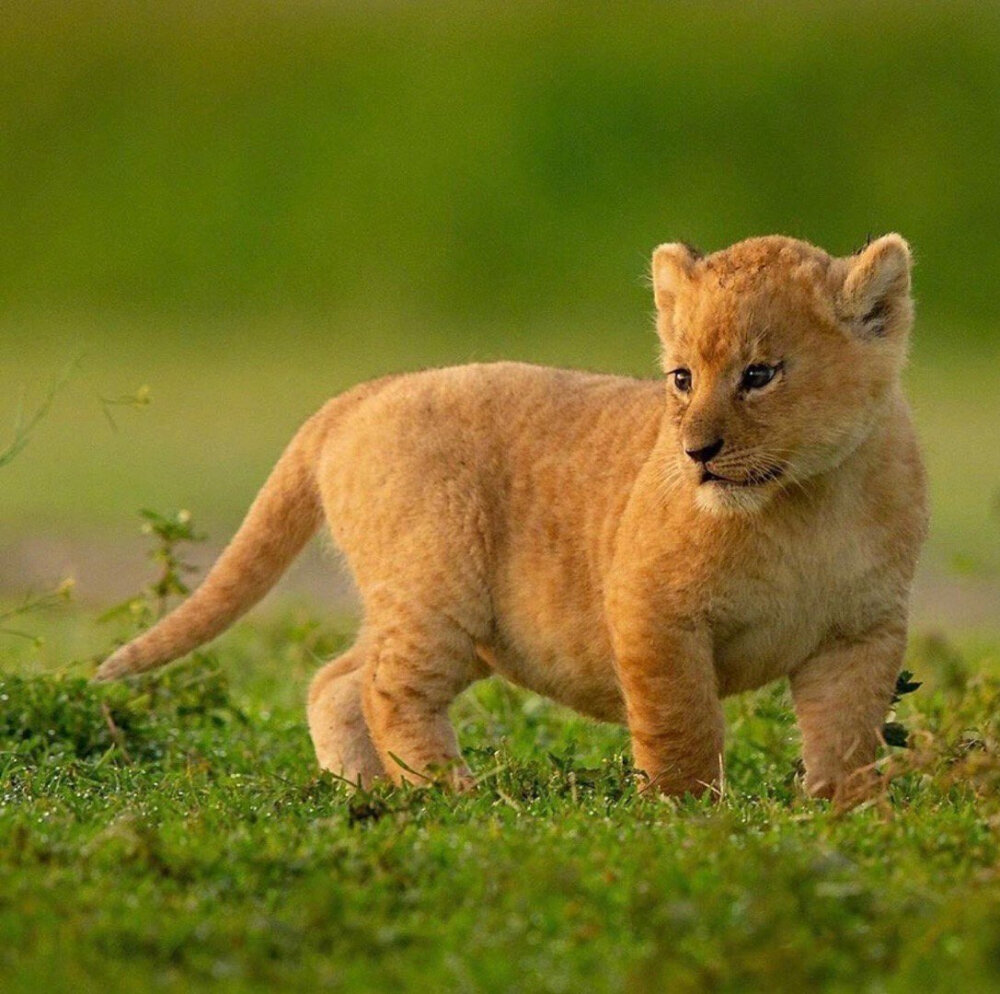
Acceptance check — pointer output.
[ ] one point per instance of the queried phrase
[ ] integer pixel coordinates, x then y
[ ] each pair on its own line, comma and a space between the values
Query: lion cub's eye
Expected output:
682, 379
758, 375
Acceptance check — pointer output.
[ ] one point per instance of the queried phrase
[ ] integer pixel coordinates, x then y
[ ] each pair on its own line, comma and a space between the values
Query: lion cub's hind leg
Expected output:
415, 671
337, 723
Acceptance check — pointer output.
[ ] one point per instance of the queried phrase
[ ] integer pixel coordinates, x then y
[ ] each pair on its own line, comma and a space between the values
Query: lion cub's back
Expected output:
417, 475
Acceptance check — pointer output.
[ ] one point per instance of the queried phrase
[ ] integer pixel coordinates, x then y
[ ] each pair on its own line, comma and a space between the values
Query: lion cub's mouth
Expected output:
755, 478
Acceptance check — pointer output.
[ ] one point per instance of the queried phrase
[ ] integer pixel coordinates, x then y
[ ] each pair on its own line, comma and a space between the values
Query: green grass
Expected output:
175, 835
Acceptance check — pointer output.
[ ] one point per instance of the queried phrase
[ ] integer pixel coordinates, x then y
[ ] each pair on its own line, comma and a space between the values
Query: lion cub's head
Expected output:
779, 359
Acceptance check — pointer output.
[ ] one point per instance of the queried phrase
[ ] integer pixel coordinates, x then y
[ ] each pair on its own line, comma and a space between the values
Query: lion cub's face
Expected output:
779, 359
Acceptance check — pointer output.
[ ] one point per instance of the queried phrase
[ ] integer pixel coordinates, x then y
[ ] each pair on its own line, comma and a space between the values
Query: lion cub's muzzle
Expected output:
732, 474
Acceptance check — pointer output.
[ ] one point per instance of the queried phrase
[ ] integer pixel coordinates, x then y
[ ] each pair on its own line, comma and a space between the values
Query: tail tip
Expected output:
117, 665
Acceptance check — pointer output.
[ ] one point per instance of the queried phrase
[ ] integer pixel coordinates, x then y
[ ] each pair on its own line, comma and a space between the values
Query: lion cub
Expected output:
634, 549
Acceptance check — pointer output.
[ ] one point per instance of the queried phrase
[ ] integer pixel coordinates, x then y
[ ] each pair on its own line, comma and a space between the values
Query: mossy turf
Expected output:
173, 834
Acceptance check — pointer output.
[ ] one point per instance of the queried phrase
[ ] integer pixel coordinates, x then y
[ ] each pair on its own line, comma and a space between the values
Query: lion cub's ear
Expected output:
672, 264
876, 292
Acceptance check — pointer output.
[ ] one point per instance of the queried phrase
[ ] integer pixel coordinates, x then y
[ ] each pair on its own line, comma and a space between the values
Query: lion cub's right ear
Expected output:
672, 265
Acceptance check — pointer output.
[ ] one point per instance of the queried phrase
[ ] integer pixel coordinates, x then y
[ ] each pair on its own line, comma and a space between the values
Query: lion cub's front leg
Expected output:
672, 701
841, 698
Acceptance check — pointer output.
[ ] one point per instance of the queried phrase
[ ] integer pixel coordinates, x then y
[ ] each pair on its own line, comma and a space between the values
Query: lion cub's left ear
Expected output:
876, 293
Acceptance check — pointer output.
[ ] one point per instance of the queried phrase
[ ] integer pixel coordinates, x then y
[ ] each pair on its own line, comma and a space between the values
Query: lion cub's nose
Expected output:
706, 452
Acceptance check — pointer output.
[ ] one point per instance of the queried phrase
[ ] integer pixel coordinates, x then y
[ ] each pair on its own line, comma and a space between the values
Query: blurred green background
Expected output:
249, 206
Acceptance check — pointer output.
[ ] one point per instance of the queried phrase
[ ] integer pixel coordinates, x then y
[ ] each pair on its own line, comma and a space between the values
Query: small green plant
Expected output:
24, 427
32, 603
169, 531
25, 424
895, 733
142, 397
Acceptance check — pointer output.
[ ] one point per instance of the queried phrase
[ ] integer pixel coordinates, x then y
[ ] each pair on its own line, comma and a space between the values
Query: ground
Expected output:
176, 835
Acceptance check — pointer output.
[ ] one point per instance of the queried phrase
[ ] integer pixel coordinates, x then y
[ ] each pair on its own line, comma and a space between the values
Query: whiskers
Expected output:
794, 466
745, 471
752, 464
671, 475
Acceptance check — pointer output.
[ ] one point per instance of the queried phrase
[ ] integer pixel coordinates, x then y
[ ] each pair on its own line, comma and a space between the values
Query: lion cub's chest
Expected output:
787, 599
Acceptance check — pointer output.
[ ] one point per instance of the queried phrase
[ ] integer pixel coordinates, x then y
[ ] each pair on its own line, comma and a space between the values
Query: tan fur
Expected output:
548, 526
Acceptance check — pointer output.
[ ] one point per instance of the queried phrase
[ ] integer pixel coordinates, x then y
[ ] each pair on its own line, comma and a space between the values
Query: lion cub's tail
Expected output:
282, 518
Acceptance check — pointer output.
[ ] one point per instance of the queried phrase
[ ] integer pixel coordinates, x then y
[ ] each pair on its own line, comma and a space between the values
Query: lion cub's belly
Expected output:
802, 590
587, 683
750, 651
763, 626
